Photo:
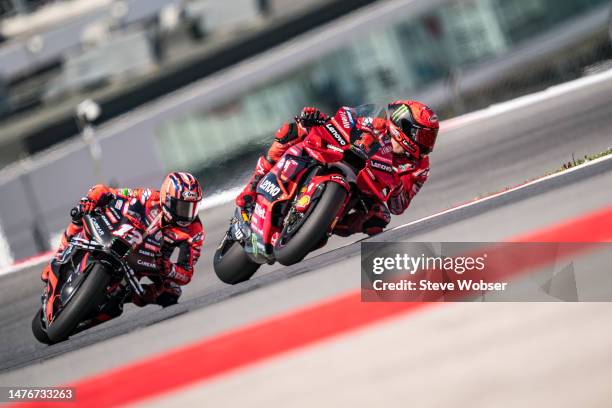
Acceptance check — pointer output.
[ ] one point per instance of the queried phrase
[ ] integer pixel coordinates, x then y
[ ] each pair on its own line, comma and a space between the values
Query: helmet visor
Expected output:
424, 137
183, 211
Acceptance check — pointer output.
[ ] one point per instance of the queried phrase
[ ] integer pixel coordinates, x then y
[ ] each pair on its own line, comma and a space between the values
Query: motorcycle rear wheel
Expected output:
313, 230
232, 265
88, 296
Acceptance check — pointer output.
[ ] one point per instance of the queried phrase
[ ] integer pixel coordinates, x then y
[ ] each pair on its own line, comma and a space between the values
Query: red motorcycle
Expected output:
301, 199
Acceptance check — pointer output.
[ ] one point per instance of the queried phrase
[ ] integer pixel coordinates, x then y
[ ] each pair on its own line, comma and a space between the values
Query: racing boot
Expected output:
247, 196
371, 222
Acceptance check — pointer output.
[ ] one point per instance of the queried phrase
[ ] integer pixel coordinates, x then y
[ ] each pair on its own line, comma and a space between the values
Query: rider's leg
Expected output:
71, 230
371, 219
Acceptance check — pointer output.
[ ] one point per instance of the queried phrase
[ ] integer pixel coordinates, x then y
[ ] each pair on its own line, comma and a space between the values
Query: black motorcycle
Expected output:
96, 274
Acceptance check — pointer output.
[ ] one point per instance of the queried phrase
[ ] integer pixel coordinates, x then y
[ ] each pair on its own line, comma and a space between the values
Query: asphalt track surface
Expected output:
469, 161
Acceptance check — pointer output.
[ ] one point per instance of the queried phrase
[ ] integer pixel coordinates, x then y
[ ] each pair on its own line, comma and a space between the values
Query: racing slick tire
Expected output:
313, 229
37, 328
88, 296
232, 265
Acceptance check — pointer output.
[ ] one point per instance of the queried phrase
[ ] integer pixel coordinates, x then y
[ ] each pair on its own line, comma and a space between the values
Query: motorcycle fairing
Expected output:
65, 278
275, 189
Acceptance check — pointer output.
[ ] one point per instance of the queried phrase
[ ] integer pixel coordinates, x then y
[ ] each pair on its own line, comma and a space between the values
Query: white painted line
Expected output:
526, 100
27, 263
512, 189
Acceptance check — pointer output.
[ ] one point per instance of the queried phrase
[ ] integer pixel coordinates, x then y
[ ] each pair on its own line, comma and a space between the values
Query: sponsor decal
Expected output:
334, 148
405, 167
345, 119
340, 178
146, 253
270, 188
106, 221
110, 214
145, 263
259, 211
399, 112
303, 201
334, 132
189, 195
151, 247
274, 238
119, 205
256, 228
97, 227
158, 236
238, 233
350, 117
381, 166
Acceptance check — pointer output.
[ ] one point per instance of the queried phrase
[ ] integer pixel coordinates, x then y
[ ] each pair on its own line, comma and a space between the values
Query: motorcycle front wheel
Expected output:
37, 328
87, 297
232, 265
296, 241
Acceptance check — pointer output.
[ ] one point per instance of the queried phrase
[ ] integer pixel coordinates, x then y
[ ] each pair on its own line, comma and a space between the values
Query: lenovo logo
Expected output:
270, 188
381, 166
334, 132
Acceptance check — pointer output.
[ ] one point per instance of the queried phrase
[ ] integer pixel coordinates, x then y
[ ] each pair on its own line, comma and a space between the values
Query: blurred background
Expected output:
201, 85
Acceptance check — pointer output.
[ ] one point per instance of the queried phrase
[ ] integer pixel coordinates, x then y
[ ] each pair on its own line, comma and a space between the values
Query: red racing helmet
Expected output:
414, 126
180, 196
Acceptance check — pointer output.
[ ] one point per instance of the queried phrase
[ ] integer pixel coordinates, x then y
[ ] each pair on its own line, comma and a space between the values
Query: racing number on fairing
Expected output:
131, 235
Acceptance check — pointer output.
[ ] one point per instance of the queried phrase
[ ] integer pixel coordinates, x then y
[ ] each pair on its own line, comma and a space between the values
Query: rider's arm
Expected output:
100, 195
181, 272
294, 132
286, 136
411, 183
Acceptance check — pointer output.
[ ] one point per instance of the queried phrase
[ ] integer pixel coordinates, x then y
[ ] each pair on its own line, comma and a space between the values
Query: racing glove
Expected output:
87, 206
311, 117
398, 201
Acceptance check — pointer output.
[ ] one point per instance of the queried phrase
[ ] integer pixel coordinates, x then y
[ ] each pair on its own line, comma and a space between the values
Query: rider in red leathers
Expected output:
408, 135
172, 210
